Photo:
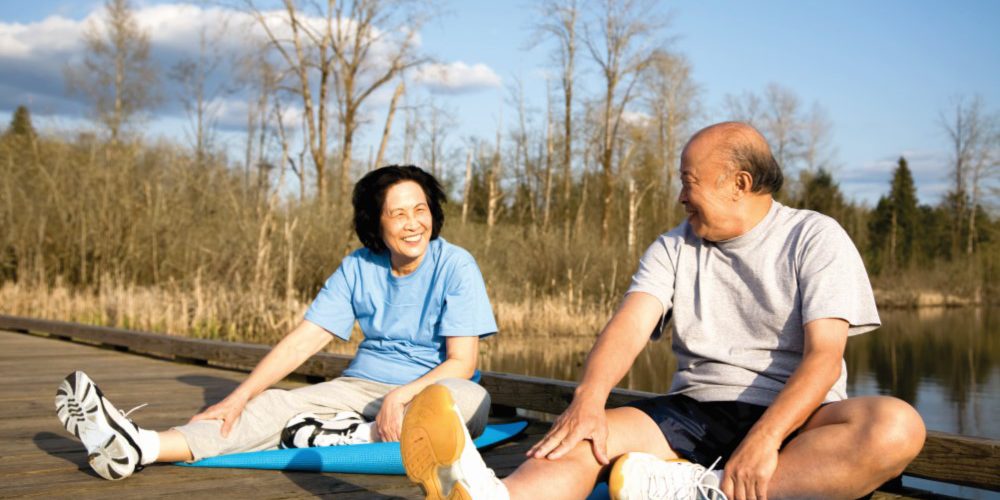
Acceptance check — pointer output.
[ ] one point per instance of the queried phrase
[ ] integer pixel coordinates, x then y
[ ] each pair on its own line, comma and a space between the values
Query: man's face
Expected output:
707, 192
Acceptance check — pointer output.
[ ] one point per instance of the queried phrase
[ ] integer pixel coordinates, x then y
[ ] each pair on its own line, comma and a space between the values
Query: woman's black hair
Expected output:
369, 196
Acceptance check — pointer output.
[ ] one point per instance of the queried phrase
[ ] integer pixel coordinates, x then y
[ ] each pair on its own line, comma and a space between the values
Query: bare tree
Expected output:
199, 93
494, 194
467, 187
745, 107
672, 98
975, 139
373, 42
305, 62
559, 23
116, 71
388, 124
817, 152
436, 128
618, 45
781, 124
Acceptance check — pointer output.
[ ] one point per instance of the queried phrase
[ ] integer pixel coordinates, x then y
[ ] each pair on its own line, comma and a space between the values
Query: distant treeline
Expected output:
556, 208
85, 211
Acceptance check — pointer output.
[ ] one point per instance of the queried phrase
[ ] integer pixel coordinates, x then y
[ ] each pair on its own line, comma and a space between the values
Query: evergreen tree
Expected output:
822, 194
894, 223
20, 123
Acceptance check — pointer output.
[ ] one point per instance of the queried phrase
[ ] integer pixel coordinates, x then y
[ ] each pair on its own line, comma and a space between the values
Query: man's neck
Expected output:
754, 210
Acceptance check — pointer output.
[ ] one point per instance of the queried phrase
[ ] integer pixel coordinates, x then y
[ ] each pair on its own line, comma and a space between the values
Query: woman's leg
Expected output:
259, 426
473, 402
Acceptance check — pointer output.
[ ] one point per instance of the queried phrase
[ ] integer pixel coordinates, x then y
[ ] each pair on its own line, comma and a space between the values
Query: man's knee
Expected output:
894, 432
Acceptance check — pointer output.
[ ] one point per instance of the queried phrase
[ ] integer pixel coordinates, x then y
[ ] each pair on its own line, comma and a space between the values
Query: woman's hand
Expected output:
228, 410
389, 420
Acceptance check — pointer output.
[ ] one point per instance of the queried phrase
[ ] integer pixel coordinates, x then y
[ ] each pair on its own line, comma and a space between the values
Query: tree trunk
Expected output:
388, 124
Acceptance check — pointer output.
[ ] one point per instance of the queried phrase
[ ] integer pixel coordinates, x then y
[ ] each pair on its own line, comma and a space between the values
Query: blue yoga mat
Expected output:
370, 458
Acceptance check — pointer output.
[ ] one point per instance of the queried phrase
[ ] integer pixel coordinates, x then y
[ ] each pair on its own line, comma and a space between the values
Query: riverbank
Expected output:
915, 299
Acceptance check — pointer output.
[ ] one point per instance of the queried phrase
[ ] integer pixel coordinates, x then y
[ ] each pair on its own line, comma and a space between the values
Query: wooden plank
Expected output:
945, 457
957, 459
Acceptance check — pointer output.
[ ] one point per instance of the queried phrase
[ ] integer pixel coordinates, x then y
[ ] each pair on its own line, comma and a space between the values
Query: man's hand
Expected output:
582, 420
389, 421
228, 410
750, 468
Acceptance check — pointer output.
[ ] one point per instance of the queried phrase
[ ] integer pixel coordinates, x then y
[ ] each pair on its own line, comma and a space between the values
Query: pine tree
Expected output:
20, 123
894, 223
822, 194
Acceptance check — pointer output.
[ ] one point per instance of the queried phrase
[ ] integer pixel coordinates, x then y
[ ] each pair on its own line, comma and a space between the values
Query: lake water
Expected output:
945, 362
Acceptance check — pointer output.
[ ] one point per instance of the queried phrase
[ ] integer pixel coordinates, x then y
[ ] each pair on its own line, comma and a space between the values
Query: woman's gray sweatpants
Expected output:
259, 426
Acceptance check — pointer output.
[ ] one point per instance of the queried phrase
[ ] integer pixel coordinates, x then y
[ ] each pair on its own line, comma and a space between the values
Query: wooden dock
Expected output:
180, 376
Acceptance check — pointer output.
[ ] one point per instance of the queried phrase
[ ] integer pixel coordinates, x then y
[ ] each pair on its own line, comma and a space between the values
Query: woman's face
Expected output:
406, 225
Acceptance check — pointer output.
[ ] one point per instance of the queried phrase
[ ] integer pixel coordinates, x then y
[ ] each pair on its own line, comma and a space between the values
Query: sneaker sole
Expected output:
433, 438
112, 454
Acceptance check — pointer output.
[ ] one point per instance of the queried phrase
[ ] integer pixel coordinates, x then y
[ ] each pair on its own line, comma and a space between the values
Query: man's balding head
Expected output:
744, 149
728, 176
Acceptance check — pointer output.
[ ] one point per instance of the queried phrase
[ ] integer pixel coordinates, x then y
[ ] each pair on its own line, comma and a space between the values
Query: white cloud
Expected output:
34, 55
456, 77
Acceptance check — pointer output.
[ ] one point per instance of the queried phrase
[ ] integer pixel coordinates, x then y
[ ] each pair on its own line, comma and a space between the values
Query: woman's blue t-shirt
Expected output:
405, 319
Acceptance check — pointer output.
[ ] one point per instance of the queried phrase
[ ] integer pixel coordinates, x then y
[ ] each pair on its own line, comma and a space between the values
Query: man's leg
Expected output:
849, 448
574, 475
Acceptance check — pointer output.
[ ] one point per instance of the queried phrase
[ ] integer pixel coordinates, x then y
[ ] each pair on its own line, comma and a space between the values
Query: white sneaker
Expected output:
306, 430
438, 452
110, 437
644, 476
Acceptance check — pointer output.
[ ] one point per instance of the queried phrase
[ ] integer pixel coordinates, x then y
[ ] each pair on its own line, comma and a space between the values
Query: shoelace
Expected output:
705, 489
659, 486
126, 414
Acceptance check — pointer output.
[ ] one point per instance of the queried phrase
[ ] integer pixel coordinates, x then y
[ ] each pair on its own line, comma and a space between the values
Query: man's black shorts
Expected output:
701, 432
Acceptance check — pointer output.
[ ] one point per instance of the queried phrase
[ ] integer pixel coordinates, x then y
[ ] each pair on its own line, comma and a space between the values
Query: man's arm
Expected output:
610, 359
753, 463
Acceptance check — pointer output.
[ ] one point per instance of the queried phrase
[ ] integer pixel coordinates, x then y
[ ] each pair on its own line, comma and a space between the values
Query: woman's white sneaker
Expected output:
110, 437
644, 476
306, 430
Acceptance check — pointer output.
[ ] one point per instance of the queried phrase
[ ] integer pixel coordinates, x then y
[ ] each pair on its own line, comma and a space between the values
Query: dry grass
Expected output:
213, 311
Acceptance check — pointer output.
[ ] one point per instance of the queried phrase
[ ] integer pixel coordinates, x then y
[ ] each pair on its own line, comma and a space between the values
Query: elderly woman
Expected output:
421, 304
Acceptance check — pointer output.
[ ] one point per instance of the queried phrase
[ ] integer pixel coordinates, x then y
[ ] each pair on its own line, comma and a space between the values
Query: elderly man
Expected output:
763, 298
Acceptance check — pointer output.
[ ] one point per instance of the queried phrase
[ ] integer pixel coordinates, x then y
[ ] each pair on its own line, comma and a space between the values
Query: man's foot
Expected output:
641, 475
109, 436
306, 430
438, 452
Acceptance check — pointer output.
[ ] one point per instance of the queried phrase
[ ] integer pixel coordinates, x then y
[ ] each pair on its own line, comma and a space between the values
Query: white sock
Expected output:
149, 445
366, 432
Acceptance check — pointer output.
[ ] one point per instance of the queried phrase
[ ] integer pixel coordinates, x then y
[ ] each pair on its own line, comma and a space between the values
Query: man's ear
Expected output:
743, 184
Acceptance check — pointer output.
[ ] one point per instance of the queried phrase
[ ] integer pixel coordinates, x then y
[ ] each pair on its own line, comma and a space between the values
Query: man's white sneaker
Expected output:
110, 437
644, 476
306, 430
438, 452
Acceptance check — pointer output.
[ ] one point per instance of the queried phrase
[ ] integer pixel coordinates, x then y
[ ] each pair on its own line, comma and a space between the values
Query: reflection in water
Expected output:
943, 361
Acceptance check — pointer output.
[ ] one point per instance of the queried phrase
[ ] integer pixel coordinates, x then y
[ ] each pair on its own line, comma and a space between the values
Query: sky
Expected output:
883, 71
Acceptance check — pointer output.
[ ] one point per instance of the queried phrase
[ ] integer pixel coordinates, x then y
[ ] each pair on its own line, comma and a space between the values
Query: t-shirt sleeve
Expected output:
467, 311
833, 282
332, 309
656, 273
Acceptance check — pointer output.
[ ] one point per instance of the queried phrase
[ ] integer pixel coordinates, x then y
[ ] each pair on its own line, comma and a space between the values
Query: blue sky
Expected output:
883, 71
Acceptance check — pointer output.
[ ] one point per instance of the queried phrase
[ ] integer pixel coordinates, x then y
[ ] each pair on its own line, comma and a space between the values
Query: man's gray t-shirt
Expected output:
740, 305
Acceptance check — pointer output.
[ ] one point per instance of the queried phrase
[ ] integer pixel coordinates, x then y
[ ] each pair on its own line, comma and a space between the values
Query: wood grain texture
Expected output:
945, 457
